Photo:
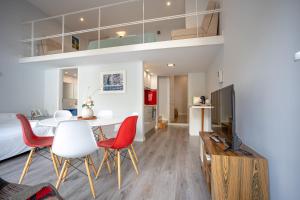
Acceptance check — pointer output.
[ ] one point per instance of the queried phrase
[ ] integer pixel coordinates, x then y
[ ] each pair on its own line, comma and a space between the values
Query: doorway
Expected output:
69, 90
173, 98
178, 99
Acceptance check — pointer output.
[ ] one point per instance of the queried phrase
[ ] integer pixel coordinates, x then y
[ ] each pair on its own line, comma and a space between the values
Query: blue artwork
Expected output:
113, 82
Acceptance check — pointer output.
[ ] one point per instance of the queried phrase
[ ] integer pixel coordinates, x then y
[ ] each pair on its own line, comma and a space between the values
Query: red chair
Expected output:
123, 140
31, 140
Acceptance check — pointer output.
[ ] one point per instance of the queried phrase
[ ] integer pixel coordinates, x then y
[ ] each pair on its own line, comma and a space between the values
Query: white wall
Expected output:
21, 87
261, 38
121, 104
196, 86
212, 80
163, 97
53, 90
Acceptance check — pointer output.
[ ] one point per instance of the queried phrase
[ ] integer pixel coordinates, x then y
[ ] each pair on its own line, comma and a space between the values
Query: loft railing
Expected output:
124, 23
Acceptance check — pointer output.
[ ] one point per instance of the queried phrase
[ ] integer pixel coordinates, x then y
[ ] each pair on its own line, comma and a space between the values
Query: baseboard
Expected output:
179, 124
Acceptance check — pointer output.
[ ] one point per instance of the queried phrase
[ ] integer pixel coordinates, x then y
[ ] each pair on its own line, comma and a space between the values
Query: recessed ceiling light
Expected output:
171, 65
121, 33
66, 72
81, 19
168, 3
147, 70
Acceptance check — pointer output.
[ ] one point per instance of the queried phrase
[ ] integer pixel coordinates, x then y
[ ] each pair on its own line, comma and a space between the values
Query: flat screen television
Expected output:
223, 116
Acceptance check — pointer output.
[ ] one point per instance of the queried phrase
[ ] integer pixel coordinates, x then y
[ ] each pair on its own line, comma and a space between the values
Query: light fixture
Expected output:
168, 3
66, 72
81, 19
171, 65
147, 70
297, 56
121, 33
151, 74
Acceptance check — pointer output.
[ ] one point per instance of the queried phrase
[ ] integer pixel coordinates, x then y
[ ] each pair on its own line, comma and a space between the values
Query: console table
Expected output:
233, 175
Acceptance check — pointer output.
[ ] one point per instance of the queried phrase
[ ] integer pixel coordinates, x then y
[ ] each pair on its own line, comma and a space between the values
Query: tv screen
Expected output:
223, 118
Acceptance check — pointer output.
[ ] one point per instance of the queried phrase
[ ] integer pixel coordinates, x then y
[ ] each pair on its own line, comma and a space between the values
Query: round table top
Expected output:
53, 122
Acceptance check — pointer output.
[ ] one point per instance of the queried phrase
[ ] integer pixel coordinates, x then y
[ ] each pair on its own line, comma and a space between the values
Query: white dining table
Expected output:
99, 123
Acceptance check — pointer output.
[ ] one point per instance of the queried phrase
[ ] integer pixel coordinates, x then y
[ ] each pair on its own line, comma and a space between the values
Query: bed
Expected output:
11, 139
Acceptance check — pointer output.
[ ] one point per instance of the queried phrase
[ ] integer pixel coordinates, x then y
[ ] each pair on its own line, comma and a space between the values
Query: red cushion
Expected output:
106, 143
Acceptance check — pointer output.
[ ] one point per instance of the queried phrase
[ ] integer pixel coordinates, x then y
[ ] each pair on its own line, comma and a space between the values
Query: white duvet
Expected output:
11, 138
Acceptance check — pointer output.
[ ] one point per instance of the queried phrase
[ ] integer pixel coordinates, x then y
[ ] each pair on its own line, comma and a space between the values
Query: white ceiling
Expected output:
58, 7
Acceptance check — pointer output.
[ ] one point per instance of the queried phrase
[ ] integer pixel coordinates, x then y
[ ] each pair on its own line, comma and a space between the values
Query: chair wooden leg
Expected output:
119, 169
26, 167
91, 162
66, 170
107, 162
86, 161
54, 162
61, 174
133, 151
102, 162
60, 160
29, 164
133, 162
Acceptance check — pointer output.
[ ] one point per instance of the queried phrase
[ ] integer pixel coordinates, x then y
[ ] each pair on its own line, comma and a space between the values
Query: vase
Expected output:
87, 112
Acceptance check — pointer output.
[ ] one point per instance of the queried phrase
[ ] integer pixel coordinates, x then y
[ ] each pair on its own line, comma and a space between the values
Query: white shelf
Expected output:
297, 56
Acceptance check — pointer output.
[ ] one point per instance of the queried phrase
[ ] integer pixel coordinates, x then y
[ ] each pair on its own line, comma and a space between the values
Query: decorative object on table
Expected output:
87, 111
207, 102
89, 118
202, 99
75, 43
113, 82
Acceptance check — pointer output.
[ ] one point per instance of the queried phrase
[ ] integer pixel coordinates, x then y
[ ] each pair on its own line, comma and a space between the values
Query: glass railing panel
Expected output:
48, 46
26, 49
26, 31
80, 42
159, 8
122, 13
82, 20
121, 36
48, 27
172, 29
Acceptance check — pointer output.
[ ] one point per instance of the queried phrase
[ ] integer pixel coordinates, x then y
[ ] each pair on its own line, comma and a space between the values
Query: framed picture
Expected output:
75, 43
113, 82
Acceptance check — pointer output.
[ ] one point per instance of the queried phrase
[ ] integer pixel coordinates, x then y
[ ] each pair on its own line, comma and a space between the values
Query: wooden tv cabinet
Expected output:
233, 175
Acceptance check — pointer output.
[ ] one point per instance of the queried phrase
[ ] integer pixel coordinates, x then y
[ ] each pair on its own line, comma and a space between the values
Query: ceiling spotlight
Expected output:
147, 70
168, 3
81, 19
171, 65
121, 33
66, 72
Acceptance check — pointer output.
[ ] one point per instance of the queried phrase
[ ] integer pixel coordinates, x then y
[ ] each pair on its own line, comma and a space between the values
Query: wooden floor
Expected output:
181, 119
169, 169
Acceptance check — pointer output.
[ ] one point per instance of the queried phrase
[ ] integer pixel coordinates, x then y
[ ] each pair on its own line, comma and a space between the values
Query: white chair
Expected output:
75, 139
64, 114
107, 114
